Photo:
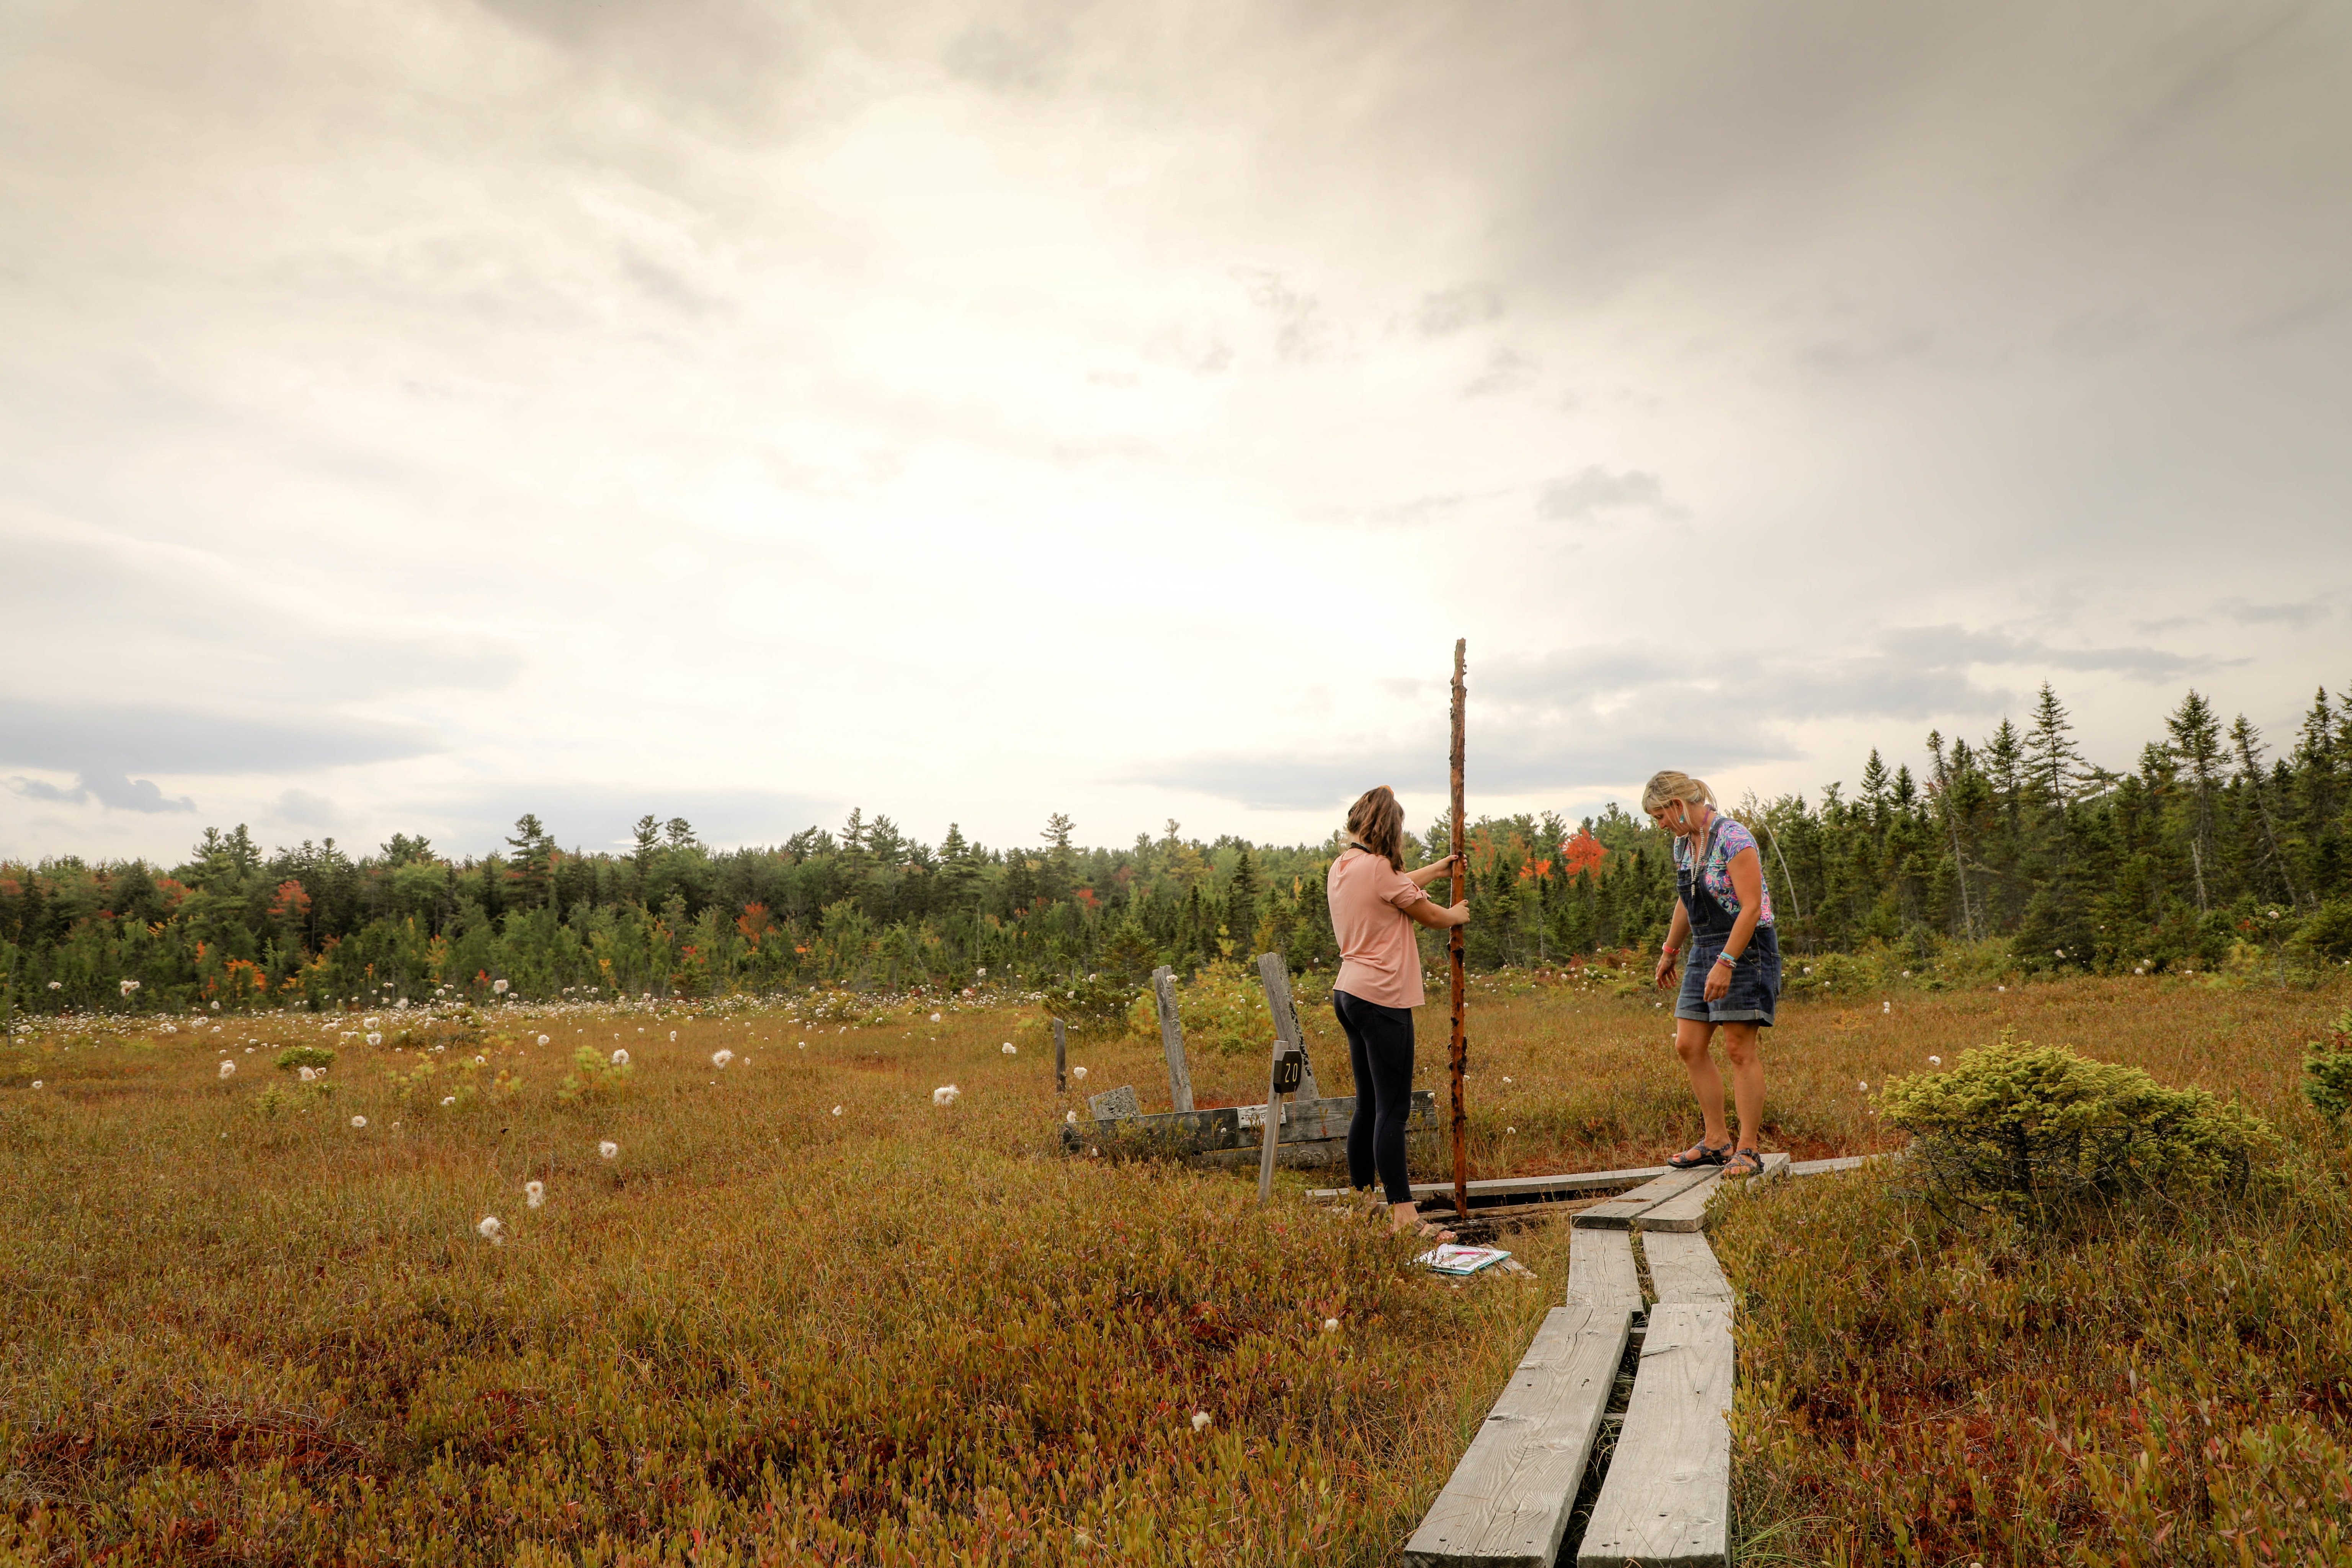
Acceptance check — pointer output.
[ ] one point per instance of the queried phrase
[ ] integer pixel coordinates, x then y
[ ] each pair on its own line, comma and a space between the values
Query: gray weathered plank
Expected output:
1686, 1210
1510, 1499
1276, 977
1171, 1037
1530, 1186
1666, 1502
1683, 1211
1114, 1104
1824, 1167
1601, 1268
1619, 1213
1682, 1268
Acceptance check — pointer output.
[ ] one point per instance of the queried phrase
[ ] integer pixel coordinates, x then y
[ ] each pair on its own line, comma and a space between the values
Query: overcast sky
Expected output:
415, 414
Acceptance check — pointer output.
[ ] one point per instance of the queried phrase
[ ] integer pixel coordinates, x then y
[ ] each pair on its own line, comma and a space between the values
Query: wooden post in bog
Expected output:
1285, 1045
1459, 1055
1274, 975
1171, 1036
1061, 1057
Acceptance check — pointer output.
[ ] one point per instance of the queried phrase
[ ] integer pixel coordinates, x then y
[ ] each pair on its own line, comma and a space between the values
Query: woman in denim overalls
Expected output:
1723, 910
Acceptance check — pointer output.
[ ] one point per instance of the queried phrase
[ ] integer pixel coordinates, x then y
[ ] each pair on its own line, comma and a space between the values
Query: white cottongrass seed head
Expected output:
1010, 1050
1934, 1061
542, 1039
534, 1193
359, 1121
721, 1057
673, 1034
229, 1069
935, 1017
1200, 1420
1070, 1118
499, 986
375, 1039
448, 1099
481, 1061
945, 1094
1330, 1325
1862, 1087
310, 1075
620, 1058
491, 1231
609, 1150
836, 1110
36, 1083
1078, 1073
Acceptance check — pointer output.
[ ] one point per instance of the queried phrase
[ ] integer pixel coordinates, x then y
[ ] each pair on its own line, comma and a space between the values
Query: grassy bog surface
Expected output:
805, 1314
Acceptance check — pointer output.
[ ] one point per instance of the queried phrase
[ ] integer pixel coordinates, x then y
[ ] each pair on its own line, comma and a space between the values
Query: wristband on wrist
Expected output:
1729, 958
1668, 951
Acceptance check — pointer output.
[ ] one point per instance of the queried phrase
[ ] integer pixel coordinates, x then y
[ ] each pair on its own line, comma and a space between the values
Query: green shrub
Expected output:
1093, 1007
1223, 1009
2023, 1129
294, 1056
593, 1077
2327, 1069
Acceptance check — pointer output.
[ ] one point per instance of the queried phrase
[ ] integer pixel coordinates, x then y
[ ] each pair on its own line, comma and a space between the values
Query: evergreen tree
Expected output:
2196, 736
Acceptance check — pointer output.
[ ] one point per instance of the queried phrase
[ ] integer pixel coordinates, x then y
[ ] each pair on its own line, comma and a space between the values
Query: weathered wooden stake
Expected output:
1459, 1056
1061, 1057
1171, 1036
1276, 980
1274, 975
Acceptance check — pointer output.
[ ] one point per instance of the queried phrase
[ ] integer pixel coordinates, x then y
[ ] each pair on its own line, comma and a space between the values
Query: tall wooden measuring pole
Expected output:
1459, 1055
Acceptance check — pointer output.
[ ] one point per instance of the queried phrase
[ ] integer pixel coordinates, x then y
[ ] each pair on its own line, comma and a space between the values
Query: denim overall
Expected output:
1755, 973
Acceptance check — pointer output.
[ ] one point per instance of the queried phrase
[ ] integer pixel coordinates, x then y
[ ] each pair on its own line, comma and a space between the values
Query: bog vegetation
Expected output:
725, 1282
2206, 853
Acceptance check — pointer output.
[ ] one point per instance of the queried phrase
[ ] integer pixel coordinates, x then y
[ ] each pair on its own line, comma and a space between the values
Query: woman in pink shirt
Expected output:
1375, 904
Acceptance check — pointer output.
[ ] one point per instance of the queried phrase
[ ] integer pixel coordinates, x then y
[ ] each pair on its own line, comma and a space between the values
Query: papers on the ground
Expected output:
1462, 1259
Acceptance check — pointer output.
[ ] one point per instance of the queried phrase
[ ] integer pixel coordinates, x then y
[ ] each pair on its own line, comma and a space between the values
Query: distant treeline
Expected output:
2208, 848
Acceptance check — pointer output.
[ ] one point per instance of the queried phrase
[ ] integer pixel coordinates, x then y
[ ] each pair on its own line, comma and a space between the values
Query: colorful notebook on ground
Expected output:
1462, 1259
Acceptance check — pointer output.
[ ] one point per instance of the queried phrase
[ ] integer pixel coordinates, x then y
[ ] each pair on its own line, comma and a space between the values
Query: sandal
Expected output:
1420, 1229
1698, 1156
1746, 1163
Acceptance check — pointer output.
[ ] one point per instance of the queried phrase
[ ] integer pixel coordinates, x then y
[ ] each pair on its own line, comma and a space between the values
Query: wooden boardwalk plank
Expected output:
1601, 1268
1686, 1210
1666, 1502
1529, 1187
1824, 1167
1619, 1213
1682, 1268
1510, 1499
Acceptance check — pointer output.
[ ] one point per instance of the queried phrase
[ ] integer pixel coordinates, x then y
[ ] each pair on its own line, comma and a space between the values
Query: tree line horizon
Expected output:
2207, 850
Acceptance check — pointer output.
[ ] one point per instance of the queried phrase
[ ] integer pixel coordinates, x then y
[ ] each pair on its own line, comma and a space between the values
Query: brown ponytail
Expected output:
1377, 822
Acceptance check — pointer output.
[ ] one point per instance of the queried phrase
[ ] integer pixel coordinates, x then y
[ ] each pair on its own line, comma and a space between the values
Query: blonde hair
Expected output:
1672, 786
1377, 822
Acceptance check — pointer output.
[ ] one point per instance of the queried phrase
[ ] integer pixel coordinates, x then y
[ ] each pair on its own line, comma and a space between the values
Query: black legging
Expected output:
1379, 1049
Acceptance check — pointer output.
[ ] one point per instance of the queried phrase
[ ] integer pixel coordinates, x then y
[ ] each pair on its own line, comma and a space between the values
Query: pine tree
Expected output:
2196, 737
2051, 761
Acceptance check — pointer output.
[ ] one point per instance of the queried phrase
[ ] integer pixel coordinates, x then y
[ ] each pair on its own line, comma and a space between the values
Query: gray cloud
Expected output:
301, 808
112, 791
2302, 614
96, 739
1507, 370
1578, 719
1450, 310
1581, 497
1301, 334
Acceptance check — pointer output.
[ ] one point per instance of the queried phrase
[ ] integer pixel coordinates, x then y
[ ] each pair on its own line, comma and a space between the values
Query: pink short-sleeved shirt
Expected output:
1380, 962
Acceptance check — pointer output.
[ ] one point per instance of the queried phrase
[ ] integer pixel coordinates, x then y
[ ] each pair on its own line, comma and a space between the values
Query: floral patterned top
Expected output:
1725, 837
